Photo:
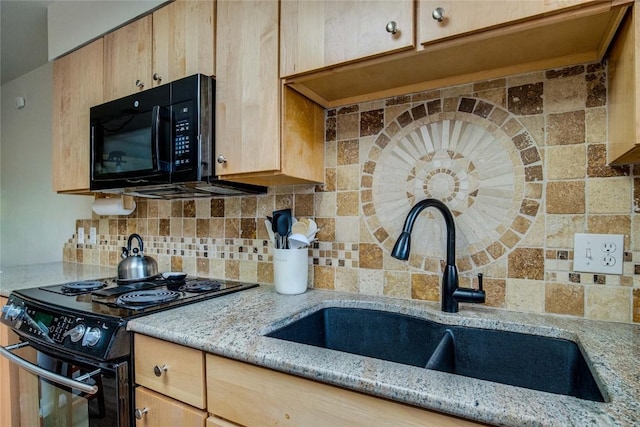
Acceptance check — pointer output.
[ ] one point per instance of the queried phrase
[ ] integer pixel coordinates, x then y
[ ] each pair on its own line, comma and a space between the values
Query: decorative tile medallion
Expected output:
473, 164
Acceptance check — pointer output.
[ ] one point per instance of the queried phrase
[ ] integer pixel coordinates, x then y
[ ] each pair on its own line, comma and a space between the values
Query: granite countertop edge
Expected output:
234, 327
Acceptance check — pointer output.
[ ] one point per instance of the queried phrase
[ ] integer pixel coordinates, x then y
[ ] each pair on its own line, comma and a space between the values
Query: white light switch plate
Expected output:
81, 235
92, 236
598, 253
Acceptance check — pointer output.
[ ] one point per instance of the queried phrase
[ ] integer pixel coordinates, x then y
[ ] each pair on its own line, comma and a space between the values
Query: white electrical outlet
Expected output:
81, 235
92, 236
598, 253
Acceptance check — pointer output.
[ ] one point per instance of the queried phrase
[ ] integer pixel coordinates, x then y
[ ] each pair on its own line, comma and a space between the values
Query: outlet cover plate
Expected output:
598, 253
81, 235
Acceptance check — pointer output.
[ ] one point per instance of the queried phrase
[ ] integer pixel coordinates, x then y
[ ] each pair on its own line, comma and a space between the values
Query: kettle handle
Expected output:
139, 239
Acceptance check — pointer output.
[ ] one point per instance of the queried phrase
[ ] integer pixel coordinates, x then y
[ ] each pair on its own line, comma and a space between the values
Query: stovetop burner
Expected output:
148, 297
82, 287
201, 286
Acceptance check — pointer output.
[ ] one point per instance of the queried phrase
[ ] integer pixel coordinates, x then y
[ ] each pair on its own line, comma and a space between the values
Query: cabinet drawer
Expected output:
254, 396
159, 410
180, 369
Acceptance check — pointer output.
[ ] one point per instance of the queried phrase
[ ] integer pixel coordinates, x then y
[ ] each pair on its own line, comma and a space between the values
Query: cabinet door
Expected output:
9, 404
462, 17
183, 40
322, 33
77, 86
158, 410
247, 87
127, 59
170, 369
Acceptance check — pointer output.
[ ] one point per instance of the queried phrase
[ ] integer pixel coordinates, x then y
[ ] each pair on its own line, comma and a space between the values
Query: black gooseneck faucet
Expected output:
451, 293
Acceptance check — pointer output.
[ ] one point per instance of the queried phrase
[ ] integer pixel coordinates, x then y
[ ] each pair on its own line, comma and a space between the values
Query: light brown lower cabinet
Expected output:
159, 410
9, 389
214, 421
252, 396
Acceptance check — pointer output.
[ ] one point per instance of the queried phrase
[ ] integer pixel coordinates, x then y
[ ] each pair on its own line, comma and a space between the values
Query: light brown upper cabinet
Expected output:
127, 59
74, 92
176, 41
624, 92
316, 34
471, 44
266, 133
441, 19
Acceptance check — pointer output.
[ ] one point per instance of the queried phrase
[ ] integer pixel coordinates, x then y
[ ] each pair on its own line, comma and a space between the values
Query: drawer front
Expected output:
171, 369
254, 396
158, 410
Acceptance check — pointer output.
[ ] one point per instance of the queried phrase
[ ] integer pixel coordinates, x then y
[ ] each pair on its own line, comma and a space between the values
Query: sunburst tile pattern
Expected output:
473, 164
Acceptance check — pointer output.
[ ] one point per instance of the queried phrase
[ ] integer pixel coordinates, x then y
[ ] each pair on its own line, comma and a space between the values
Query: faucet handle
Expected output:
479, 281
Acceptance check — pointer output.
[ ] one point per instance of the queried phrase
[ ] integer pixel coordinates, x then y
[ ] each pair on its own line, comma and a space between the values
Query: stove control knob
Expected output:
91, 337
76, 333
12, 312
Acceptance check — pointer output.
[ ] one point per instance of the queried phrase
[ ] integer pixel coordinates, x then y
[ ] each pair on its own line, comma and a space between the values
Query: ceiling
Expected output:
23, 37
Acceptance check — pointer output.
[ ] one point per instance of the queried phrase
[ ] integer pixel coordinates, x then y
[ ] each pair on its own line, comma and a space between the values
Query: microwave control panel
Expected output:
183, 136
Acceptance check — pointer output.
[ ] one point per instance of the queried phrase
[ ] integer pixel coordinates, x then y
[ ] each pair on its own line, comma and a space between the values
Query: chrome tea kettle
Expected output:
135, 265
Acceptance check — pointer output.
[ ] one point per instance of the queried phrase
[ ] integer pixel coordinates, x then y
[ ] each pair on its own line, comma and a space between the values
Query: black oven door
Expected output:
58, 392
131, 141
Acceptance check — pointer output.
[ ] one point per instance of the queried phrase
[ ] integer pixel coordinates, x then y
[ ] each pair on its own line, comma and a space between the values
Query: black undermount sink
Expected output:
540, 363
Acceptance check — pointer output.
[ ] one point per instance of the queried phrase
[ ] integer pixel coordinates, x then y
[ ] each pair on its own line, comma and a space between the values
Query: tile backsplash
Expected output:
520, 161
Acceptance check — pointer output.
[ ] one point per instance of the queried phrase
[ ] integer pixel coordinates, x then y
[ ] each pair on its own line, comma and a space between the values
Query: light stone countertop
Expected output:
234, 325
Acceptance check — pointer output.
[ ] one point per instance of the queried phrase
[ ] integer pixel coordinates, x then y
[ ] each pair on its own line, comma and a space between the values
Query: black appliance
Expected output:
159, 143
81, 355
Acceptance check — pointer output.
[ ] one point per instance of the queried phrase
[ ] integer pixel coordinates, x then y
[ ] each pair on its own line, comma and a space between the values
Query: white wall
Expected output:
35, 222
71, 24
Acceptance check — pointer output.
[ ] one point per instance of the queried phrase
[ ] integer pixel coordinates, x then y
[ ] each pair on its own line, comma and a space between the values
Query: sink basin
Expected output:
540, 363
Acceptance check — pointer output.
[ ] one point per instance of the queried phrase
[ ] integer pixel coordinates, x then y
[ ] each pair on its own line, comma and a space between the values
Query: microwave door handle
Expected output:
155, 137
51, 376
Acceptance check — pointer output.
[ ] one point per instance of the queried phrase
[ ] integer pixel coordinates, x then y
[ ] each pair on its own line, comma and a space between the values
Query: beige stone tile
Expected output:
566, 162
325, 204
348, 152
366, 236
525, 295
609, 195
495, 291
189, 266
265, 272
608, 303
347, 229
348, 177
566, 197
425, 287
370, 256
348, 126
232, 207
564, 299
561, 228
348, 203
455, 91
323, 277
523, 79
248, 271
265, 205
535, 233
397, 284
347, 280
331, 154
526, 263
566, 128
596, 125
565, 94
371, 282
609, 224
496, 269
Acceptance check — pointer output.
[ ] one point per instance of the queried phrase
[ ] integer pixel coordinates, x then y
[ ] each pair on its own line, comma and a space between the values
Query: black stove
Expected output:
88, 318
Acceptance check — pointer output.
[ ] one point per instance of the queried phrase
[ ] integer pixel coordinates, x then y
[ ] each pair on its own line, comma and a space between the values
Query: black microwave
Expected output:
159, 143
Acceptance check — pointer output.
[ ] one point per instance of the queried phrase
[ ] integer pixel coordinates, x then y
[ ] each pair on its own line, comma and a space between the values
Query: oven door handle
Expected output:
51, 376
